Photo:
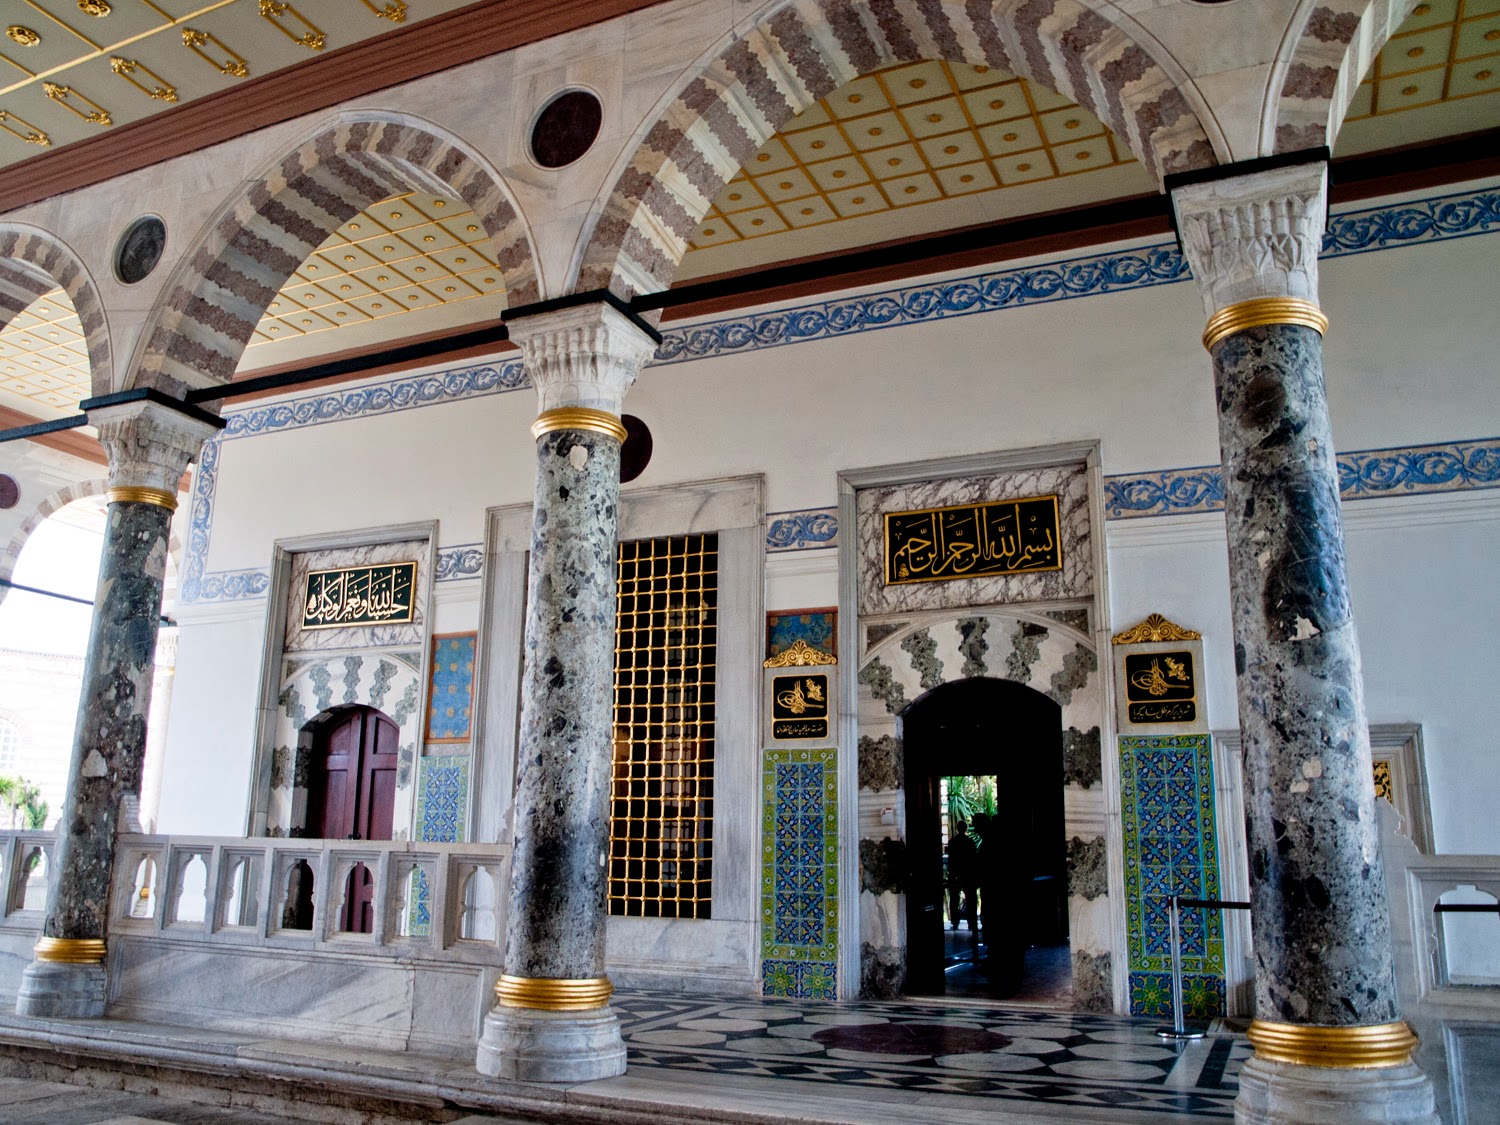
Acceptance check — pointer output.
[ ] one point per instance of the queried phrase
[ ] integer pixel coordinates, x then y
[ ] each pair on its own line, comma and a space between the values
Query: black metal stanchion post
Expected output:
1179, 1028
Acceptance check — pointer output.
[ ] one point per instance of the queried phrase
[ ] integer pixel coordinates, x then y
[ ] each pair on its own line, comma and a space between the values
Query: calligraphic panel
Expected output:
972, 541
1158, 678
346, 584
384, 594
986, 515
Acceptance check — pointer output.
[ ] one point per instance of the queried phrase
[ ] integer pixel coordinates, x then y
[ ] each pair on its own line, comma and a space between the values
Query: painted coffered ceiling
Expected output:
1439, 75
411, 257
73, 69
44, 362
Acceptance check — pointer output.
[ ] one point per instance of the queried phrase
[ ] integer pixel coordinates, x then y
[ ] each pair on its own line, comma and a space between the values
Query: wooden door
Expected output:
356, 755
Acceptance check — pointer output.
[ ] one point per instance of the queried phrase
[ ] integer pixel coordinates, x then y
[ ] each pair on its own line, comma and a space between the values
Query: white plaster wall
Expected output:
205, 786
1410, 359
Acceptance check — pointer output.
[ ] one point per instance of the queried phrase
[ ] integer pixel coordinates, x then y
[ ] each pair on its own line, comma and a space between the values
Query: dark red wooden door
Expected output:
357, 759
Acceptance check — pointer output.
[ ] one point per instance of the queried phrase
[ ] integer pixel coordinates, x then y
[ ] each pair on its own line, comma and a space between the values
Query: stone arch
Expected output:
802, 50
208, 310
53, 503
1025, 648
311, 691
79, 490
34, 262
1331, 46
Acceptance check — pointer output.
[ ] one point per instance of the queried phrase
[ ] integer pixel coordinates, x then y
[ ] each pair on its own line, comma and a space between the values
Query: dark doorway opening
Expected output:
352, 794
1005, 934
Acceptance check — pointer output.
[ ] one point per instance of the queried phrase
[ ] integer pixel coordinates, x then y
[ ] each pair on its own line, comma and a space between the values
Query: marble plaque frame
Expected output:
1088, 592
721, 952
1121, 651
289, 559
769, 738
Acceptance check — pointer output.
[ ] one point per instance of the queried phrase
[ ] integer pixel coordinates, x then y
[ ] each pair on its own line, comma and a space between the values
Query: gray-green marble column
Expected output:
149, 446
1330, 1045
552, 1022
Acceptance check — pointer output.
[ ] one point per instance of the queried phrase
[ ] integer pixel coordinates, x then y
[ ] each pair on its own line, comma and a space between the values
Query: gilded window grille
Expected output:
666, 635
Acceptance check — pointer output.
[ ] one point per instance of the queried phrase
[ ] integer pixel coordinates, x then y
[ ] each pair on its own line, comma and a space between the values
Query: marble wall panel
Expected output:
368, 1001
1171, 847
1075, 580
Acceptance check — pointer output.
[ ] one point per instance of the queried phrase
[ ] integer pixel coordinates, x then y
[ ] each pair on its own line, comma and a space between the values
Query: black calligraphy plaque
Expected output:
799, 706
360, 595
972, 541
1161, 687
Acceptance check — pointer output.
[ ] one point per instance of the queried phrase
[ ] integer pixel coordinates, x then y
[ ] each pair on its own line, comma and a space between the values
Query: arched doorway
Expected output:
352, 794
984, 808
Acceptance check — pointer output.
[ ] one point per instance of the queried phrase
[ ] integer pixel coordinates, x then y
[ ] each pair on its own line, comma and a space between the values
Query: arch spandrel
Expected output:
33, 263
803, 50
220, 289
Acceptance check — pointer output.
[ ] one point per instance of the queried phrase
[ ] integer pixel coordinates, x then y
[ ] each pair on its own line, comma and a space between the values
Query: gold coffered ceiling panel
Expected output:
44, 361
71, 69
909, 139
1440, 73
410, 254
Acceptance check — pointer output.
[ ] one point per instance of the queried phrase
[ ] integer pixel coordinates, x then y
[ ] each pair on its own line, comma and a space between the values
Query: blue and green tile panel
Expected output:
799, 878
1171, 847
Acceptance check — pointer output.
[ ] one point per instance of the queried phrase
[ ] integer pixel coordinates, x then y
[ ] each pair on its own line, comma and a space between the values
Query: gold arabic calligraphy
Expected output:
972, 541
365, 595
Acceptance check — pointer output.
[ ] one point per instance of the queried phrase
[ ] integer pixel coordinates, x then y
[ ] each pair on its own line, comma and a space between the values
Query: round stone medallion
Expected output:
10, 492
140, 249
566, 128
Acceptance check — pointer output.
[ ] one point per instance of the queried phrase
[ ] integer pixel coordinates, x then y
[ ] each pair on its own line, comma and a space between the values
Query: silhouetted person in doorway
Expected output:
1002, 887
963, 890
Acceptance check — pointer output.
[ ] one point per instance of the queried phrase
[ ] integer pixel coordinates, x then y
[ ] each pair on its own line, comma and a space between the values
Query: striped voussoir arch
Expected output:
32, 263
58, 500
208, 314
803, 50
1335, 50
1024, 648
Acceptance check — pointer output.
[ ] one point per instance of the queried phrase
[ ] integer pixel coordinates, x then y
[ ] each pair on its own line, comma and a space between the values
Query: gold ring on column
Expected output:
553, 994
1263, 310
578, 418
158, 496
1381, 1044
70, 951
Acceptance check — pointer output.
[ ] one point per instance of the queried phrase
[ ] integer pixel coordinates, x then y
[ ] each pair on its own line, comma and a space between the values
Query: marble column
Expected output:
1329, 1042
149, 446
552, 1021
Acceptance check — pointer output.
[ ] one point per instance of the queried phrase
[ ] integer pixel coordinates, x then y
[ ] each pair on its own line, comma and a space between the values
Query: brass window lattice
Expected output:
661, 823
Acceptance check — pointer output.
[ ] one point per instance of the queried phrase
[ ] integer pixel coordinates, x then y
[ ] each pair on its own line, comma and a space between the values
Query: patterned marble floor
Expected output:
979, 1050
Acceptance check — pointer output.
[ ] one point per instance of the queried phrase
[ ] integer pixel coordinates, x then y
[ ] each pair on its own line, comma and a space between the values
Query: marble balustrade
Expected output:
207, 932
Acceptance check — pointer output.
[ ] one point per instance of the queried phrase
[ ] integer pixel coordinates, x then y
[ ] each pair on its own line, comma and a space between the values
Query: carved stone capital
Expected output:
1256, 235
149, 445
584, 356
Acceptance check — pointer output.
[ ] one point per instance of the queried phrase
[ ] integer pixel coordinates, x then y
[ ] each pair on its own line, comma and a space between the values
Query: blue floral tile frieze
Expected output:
463, 561
1444, 467
1459, 215
804, 530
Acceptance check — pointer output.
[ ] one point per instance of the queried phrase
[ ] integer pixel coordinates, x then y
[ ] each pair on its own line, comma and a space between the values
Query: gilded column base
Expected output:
1373, 1045
553, 994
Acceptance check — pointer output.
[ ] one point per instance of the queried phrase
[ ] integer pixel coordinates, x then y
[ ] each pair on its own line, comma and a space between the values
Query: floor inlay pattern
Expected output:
980, 1050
